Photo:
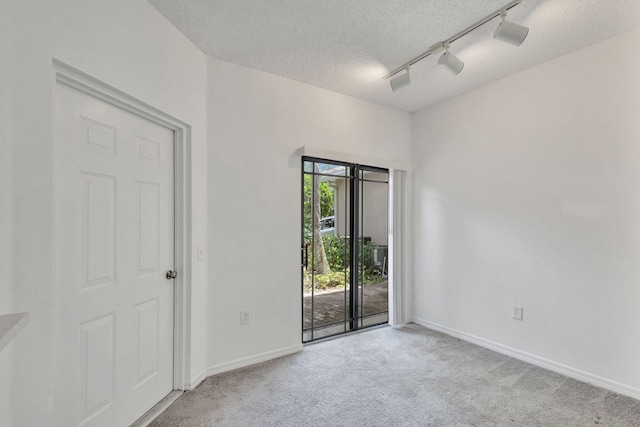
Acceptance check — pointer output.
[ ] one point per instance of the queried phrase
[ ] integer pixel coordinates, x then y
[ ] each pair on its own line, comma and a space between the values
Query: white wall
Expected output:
27, 129
5, 215
256, 122
526, 192
5, 168
126, 44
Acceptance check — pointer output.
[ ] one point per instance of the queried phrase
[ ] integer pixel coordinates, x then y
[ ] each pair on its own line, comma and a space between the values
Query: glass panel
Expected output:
376, 176
308, 166
331, 169
326, 288
373, 248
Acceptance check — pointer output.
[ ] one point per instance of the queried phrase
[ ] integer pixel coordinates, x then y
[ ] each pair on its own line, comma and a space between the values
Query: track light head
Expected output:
510, 32
451, 62
400, 81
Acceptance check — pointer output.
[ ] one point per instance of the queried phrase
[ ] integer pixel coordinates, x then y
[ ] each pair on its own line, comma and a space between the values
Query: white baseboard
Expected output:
536, 360
252, 360
196, 380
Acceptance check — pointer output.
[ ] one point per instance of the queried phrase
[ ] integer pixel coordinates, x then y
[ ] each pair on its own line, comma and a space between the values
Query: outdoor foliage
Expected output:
337, 250
326, 205
339, 261
335, 279
334, 247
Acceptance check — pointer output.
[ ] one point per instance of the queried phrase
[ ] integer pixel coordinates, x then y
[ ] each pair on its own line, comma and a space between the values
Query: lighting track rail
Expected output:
507, 32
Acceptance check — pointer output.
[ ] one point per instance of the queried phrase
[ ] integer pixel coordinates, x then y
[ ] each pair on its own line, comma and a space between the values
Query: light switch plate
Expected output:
245, 317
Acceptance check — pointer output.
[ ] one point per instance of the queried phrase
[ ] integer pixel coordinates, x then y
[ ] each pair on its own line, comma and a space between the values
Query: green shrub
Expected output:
326, 204
335, 279
334, 249
338, 255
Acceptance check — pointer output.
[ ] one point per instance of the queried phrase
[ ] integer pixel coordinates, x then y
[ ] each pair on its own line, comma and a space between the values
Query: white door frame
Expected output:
76, 79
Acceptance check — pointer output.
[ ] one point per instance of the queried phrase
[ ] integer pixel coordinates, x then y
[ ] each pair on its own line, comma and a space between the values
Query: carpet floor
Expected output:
401, 376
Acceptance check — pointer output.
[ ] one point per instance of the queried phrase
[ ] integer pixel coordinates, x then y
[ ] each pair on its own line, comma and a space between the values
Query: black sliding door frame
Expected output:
359, 267
354, 315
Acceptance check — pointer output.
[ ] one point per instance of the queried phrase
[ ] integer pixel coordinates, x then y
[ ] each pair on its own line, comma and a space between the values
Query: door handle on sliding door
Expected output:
305, 255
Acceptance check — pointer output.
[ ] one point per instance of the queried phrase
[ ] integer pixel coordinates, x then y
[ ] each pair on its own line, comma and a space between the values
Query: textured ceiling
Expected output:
348, 46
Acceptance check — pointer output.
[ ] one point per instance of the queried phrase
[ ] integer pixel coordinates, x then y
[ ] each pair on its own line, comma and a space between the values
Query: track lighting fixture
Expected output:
400, 81
510, 32
507, 31
451, 62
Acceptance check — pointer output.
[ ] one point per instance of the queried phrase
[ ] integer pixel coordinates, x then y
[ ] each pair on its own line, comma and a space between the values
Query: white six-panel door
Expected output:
114, 243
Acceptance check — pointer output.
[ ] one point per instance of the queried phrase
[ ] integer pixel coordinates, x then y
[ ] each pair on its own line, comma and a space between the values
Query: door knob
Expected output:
171, 274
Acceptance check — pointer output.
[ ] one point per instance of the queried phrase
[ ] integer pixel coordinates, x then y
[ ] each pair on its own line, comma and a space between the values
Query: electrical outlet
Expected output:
517, 312
245, 317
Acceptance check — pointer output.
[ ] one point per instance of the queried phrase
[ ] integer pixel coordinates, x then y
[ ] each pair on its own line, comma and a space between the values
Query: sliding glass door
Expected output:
373, 253
344, 247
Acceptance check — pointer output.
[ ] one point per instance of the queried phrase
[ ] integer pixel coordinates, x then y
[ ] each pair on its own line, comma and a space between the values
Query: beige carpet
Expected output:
404, 376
